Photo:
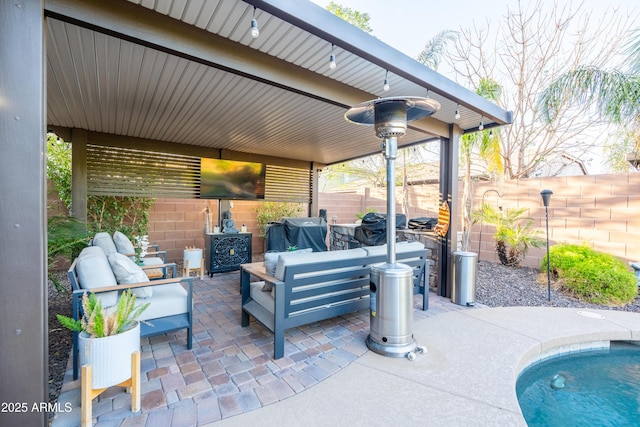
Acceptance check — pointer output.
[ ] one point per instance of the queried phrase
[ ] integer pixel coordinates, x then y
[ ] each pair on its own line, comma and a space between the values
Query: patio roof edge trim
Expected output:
315, 20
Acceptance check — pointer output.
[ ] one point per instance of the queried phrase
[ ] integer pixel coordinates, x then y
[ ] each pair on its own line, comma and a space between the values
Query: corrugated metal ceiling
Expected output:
106, 75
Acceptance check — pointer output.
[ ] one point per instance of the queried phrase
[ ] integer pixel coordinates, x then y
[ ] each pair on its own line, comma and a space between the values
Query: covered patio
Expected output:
230, 370
144, 89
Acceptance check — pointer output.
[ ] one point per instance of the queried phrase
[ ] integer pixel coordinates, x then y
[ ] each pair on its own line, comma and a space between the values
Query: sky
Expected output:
407, 25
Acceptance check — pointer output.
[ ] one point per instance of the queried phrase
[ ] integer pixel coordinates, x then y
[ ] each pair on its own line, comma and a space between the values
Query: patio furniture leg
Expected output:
87, 393
135, 382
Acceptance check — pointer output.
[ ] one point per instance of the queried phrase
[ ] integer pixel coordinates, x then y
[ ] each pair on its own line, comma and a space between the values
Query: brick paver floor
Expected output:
230, 369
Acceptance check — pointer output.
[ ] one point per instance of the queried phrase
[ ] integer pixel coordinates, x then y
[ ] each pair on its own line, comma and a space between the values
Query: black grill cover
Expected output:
300, 232
422, 223
373, 229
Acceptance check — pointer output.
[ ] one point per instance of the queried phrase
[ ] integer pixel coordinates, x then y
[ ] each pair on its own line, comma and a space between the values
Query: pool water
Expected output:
591, 388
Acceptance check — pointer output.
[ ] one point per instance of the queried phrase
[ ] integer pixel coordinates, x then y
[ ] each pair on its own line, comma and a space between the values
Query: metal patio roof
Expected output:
189, 72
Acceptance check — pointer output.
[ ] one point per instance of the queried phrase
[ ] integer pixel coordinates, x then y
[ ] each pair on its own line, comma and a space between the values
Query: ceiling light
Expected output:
332, 60
385, 85
255, 32
481, 126
457, 115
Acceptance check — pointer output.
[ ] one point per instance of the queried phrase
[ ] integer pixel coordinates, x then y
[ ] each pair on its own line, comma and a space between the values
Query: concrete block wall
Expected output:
342, 207
177, 223
602, 211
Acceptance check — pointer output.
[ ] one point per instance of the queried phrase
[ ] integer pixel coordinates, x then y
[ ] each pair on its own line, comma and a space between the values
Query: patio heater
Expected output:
391, 283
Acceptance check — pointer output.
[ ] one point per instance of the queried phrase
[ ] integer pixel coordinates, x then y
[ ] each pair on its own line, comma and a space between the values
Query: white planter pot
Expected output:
109, 357
194, 256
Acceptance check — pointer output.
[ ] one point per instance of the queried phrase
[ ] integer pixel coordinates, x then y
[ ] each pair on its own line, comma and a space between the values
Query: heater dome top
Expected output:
416, 108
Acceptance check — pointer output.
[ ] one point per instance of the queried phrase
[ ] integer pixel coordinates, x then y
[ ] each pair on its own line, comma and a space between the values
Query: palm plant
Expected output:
66, 236
432, 52
487, 143
615, 93
514, 235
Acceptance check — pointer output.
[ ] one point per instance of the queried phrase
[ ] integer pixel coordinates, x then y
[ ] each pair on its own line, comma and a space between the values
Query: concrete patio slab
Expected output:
328, 377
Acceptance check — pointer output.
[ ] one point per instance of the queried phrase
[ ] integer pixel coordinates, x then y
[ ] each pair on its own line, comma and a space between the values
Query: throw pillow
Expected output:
271, 262
93, 271
104, 241
123, 244
127, 272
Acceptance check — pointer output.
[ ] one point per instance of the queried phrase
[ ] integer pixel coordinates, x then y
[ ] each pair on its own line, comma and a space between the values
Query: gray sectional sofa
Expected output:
309, 287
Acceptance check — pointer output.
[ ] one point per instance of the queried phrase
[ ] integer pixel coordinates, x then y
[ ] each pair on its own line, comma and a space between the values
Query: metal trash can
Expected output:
463, 276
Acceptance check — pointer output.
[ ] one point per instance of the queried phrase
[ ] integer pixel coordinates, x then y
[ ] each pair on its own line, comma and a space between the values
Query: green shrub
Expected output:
273, 211
592, 276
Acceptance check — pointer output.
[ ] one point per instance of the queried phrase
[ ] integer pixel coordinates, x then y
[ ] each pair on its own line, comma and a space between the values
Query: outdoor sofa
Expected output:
309, 287
170, 300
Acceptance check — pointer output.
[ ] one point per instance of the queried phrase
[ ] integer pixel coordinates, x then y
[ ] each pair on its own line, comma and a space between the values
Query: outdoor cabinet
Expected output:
225, 252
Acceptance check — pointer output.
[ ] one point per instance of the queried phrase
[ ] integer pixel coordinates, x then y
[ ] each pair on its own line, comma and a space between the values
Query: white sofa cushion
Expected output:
127, 272
291, 258
123, 244
104, 241
93, 271
168, 300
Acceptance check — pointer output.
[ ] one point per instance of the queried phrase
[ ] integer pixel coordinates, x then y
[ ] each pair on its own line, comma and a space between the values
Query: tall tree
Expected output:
614, 93
531, 46
434, 49
487, 143
354, 17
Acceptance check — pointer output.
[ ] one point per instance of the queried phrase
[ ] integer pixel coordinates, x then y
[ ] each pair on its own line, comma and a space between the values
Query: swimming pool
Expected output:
597, 387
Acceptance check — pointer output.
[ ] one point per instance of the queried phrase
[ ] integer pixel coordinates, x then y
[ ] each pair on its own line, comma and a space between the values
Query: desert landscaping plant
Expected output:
514, 234
591, 276
98, 322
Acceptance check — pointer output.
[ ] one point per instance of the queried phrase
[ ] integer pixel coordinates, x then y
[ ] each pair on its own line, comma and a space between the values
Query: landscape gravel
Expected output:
498, 285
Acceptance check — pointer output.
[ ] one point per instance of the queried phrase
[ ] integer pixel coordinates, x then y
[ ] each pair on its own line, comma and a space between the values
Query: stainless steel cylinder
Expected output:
463, 277
391, 314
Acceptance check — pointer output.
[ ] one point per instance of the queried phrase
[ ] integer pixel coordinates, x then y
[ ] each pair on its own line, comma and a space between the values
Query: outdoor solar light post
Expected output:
546, 195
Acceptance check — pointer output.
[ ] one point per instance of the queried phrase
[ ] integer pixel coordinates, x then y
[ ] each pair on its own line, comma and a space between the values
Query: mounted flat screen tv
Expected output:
231, 179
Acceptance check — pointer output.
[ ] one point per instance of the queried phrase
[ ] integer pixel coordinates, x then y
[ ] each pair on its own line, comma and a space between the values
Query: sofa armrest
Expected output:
188, 280
158, 254
170, 265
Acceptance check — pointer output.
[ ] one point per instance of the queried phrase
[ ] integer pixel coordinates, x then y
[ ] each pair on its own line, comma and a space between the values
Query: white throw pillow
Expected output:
123, 244
127, 272
93, 271
104, 241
